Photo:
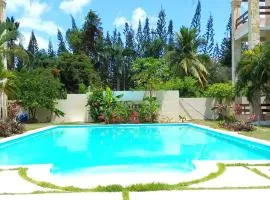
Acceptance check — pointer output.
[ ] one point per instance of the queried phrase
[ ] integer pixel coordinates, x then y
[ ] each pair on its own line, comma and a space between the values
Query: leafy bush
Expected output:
149, 110
39, 89
109, 109
237, 126
187, 87
220, 91
97, 105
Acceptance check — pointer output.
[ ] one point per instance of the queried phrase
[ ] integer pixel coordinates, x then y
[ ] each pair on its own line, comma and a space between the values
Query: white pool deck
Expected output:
162, 195
12, 183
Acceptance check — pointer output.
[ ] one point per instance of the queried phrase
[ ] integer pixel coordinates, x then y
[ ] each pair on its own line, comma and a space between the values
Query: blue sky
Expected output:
46, 16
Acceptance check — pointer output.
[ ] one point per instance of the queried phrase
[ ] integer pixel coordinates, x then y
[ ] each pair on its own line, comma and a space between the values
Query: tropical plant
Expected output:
254, 76
184, 60
149, 110
149, 72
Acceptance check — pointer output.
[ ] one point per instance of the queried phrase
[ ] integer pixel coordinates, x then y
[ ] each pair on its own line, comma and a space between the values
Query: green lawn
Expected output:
262, 133
29, 127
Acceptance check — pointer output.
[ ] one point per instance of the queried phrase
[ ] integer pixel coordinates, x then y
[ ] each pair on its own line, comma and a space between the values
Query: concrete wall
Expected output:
74, 108
197, 108
172, 106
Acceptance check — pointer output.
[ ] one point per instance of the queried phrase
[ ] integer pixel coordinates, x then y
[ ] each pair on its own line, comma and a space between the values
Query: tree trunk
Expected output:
256, 104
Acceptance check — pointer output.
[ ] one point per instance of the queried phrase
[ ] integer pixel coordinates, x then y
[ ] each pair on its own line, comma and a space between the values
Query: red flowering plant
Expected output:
238, 109
252, 118
13, 111
134, 117
11, 126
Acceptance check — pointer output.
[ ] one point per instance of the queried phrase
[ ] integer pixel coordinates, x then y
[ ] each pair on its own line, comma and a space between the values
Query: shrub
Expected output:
109, 109
97, 106
187, 87
237, 126
149, 110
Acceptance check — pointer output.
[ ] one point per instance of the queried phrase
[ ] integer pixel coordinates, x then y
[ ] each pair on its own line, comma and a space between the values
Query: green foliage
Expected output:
220, 91
149, 72
187, 87
196, 21
184, 60
76, 69
225, 57
38, 89
149, 109
253, 71
208, 37
96, 104
61, 43
82, 88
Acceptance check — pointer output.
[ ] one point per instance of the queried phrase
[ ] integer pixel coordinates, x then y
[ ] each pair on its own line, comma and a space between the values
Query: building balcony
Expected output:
241, 29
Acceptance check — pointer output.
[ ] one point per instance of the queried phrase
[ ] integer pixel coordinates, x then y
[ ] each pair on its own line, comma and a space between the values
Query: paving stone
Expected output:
265, 170
200, 194
235, 177
11, 182
68, 196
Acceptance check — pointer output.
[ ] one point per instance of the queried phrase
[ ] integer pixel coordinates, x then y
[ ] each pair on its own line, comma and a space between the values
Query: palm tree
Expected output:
254, 75
8, 34
184, 59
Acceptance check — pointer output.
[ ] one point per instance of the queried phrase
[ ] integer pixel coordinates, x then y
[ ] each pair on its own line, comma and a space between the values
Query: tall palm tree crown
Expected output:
184, 59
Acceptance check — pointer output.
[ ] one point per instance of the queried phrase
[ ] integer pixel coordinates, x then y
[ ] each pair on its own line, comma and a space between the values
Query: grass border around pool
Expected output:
119, 188
144, 187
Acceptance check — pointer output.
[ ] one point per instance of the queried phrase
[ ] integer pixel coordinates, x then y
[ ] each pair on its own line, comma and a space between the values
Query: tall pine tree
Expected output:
50, 49
73, 23
170, 36
161, 30
208, 38
226, 46
216, 52
33, 45
196, 21
139, 40
61, 43
129, 54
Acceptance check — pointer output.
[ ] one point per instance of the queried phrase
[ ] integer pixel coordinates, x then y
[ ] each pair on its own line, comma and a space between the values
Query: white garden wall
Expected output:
172, 106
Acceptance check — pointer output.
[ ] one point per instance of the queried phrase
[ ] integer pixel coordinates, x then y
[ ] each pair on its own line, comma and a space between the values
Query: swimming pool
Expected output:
128, 148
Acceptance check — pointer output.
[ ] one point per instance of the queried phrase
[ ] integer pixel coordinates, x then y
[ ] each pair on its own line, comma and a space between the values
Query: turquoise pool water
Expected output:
127, 148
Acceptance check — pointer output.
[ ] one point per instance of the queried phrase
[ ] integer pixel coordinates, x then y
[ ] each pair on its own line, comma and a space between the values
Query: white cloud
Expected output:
15, 5
31, 17
37, 24
137, 15
120, 21
73, 6
42, 42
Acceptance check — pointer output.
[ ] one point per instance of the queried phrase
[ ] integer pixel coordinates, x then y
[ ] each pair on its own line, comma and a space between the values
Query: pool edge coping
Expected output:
223, 132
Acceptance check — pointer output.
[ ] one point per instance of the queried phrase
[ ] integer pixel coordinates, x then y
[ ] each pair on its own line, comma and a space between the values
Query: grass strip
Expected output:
125, 195
248, 165
258, 172
118, 188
